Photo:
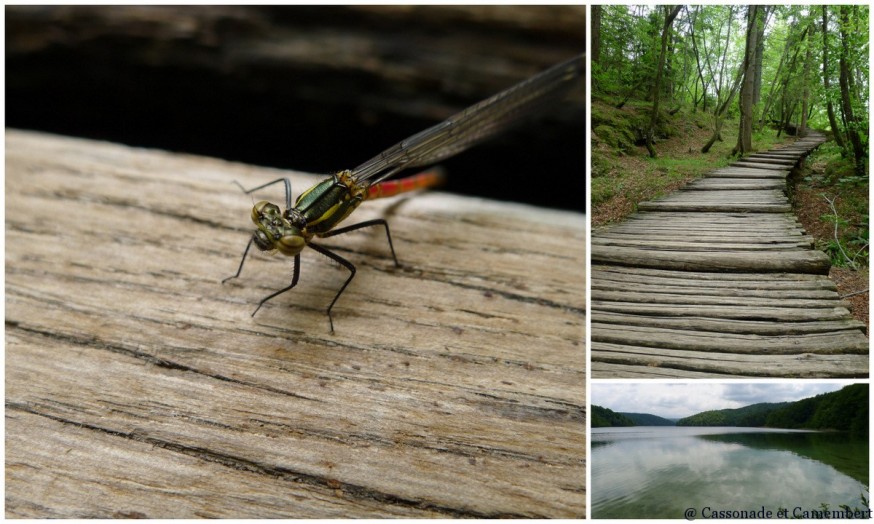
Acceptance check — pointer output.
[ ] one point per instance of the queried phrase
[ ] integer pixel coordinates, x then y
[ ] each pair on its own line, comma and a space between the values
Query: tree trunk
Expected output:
788, 111
596, 34
826, 74
846, 102
745, 131
772, 91
805, 80
720, 111
698, 64
668, 90
758, 57
656, 91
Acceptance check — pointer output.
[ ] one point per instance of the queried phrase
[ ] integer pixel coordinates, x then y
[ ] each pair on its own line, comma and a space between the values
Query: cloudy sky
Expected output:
682, 400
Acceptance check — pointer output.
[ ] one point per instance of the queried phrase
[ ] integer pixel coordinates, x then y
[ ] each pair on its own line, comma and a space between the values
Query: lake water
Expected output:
659, 472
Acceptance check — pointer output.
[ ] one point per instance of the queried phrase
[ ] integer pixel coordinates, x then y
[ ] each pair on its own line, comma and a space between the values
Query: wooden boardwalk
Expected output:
720, 280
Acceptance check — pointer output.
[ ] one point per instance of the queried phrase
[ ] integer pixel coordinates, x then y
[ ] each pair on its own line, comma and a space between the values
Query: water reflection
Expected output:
831, 448
658, 472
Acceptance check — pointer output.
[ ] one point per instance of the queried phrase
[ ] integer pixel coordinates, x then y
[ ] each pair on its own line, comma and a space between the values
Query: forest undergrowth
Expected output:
831, 202
623, 174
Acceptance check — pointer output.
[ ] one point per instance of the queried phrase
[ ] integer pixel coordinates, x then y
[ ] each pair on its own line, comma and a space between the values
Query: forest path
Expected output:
719, 279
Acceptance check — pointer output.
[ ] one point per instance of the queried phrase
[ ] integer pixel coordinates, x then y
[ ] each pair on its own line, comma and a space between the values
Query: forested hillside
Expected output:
645, 419
843, 410
755, 415
605, 418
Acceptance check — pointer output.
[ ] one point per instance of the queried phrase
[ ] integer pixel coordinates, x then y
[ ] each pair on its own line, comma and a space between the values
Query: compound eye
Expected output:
263, 241
290, 244
265, 209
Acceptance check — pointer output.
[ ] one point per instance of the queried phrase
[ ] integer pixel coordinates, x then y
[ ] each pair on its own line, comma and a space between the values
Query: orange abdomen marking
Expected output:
431, 178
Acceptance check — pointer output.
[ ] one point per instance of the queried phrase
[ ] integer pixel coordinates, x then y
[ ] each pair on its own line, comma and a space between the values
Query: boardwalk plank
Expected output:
757, 327
607, 275
603, 290
682, 244
838, 342
784, 261
774, 314
748, 172
664, 363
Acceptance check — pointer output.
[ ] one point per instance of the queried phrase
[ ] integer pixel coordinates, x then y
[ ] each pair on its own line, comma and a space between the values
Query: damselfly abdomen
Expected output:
317, 211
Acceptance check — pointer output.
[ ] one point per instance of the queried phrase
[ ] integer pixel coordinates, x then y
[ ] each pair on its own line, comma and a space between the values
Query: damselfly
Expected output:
318, 210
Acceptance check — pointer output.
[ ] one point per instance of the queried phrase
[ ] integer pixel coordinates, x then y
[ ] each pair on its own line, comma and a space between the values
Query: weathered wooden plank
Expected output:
751, 299
764, 223
676, 219
677, 244
771, 160
749, 164
771, 314
138, 385
761, 196
740, 184
707, 229
728, 208
714, 278
692, 237
729, 325
787, 261
663, 362
602, 289
778, 154
748, 172
839, 342
605, 370
740, 281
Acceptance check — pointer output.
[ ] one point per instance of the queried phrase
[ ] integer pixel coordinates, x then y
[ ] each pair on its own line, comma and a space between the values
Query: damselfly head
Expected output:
274, 231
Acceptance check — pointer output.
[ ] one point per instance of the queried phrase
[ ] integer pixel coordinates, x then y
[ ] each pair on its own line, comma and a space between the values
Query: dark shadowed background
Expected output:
315, 89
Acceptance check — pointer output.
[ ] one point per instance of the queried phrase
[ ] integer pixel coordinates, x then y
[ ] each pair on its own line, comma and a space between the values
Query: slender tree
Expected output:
805, 83
745, 131
720, 111
833, 122
596, 34
846, 102
670, 14
772, 91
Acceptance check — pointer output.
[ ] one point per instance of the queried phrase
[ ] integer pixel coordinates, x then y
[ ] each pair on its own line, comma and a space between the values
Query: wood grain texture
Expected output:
139, 386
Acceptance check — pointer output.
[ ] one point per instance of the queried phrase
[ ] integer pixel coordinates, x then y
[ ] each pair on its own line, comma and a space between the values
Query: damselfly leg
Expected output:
292, 224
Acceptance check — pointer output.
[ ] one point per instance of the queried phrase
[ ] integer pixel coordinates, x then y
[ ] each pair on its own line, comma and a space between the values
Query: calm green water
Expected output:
659, 472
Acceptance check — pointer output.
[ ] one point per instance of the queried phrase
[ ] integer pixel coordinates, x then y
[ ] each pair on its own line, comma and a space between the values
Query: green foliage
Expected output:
846, 195
606, 418
843, 410
603, 189
628, 43
749, 416
849, 249
618, 138
645, 419
705, 53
